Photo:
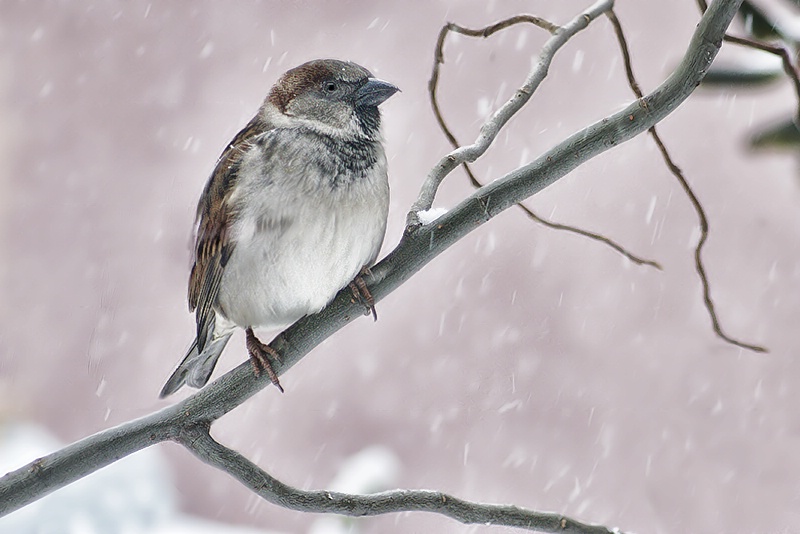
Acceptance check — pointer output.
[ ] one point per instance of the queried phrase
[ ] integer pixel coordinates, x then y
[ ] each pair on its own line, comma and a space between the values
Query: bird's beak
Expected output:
375, 92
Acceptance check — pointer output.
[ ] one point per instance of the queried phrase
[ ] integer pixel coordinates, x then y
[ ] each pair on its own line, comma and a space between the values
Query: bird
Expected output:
294, 211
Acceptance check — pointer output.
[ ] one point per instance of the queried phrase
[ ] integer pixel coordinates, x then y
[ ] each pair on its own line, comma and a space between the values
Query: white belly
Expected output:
295, 263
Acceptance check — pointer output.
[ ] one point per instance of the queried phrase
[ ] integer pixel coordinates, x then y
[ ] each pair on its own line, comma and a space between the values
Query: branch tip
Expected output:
684, 183
523, 93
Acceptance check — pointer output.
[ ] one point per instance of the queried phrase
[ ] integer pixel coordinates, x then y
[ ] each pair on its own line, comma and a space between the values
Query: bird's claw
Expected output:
361, 294
259, 357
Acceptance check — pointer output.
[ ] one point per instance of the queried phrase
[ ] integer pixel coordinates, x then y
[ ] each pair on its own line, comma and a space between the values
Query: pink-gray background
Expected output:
523, 366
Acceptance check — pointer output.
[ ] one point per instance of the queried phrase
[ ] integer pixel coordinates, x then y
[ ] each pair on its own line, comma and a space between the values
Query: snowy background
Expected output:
523, 366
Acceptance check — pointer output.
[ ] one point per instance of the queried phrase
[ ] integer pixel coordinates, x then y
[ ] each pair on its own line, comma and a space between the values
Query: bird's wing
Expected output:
213, 246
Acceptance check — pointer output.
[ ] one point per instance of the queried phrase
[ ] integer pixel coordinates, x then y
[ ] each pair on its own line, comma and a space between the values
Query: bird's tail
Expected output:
195, 368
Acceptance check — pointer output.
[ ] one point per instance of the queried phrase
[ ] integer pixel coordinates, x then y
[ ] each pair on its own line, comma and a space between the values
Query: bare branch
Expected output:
499, 118
591, 235
786, 60
698, 207
83, 457
419, 245
198, 440
433, 86
698, 259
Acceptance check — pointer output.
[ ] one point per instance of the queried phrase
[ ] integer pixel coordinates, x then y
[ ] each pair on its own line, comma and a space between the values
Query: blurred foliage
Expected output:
764, 26
757, 23
783, 134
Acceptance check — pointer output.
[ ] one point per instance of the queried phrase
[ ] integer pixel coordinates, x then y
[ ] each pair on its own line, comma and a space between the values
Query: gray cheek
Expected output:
332, 113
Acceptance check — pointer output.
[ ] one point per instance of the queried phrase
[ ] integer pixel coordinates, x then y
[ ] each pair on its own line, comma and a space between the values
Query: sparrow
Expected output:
294, 211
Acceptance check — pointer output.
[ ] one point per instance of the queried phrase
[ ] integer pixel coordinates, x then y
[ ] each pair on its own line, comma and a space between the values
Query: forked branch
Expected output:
198, 440
490, 129
433, 91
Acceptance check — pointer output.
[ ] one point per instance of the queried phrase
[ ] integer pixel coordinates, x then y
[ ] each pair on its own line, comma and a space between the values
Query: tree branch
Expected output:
433, 89
420, 245
198, 440
492, 127
699, 266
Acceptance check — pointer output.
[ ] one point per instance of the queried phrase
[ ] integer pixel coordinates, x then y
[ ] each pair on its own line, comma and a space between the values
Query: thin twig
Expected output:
499, 118
438, 55
698, 208
199, 441
786, 60
591, 235
433, 86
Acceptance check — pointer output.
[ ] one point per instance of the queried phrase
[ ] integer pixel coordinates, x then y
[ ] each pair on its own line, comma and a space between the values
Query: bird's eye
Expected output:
330, 87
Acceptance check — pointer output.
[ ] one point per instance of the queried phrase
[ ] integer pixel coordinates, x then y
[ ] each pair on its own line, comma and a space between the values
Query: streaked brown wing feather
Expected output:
214, 219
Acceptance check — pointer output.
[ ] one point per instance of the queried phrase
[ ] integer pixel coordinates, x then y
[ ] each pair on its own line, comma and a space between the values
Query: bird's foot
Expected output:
361, 293
259, 357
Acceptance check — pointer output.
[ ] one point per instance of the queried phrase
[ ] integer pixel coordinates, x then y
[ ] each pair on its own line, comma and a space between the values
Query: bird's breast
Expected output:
296, 247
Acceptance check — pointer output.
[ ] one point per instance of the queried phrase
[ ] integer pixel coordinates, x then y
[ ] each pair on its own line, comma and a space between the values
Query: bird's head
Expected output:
331, 95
